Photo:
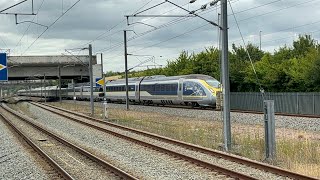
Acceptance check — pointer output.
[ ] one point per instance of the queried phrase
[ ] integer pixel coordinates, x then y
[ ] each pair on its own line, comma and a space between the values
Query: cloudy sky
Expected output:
101, 23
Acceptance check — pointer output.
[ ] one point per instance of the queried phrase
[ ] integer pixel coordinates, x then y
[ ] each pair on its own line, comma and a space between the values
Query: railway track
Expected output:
125, 134
245, 111
68, 159
218, 110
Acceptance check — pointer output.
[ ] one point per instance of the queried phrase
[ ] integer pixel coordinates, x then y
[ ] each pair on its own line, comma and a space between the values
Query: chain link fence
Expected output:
292, 103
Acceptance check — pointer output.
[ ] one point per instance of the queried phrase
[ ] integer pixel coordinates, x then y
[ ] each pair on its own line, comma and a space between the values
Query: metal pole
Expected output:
91, 80
104, 79
29, 92
260, 39
225, 76
74, 93
104, 90
126, 68
220, 98
45, 88
41, 89
60, 96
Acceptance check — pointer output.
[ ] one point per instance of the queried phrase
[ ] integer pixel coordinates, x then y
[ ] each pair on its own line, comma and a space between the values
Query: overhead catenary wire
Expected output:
207, 24
247, 52
29, 24
178, 20
265, 13
281, 9
4, 43
172, 22
287, 37
100, 36
202, 26
51, 25
282, 30
259, 6
13, 6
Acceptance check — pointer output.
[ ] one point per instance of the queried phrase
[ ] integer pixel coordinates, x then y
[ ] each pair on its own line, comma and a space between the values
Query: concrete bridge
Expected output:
36, 67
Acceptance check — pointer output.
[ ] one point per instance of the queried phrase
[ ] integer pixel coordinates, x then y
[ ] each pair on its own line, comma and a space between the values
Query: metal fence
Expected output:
293, 103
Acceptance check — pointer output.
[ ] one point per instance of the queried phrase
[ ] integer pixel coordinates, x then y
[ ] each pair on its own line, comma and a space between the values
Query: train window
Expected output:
192, 89
163, 87
213, 83
131, 88
174, 87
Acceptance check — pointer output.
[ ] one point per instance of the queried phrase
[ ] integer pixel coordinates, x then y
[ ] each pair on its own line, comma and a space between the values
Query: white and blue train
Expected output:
191, 90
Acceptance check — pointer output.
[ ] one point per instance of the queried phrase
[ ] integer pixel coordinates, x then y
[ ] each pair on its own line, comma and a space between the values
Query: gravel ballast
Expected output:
135, 159
76, 164
259, 174
297, 123
18, 161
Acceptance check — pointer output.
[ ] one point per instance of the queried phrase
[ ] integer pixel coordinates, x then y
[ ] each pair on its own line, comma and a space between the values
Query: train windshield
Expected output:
214, 83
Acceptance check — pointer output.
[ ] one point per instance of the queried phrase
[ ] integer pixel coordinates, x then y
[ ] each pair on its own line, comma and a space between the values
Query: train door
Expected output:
81, 92
137, 92
180, 89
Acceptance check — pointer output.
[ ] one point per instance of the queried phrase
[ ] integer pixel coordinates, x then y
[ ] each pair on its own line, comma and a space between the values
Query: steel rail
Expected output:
234, 110
52, 162
91, 156
146, 144
248, 162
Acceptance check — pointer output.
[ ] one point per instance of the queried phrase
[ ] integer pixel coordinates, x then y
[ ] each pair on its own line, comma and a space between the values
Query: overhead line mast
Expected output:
224, 58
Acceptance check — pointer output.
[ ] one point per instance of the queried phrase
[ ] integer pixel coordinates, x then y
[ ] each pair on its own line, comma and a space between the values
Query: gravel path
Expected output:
133, 158
19, 161
298, 123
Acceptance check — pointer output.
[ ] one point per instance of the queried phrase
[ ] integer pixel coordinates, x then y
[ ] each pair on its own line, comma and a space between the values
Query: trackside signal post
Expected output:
269, 125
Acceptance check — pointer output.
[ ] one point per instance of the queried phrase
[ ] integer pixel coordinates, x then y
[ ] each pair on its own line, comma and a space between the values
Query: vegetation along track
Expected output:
213, 109
71, 161
241, 111
96, 123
